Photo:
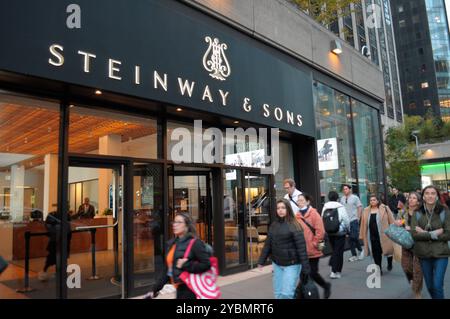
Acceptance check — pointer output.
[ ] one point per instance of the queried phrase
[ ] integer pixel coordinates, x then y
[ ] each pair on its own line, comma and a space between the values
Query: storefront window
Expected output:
29, 132
286, 169
187, 145
93, 131
334, 138
368, 150
437, 174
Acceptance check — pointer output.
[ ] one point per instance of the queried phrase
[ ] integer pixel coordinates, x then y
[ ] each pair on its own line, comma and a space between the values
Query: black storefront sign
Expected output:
157, 50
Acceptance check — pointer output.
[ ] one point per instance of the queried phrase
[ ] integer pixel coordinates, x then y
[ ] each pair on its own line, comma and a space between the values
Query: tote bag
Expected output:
400, 236
203, 285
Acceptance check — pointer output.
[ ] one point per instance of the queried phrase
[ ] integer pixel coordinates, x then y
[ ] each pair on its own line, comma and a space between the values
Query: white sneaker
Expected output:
338, 275
353, 259
43, 276
334, 275
361, 255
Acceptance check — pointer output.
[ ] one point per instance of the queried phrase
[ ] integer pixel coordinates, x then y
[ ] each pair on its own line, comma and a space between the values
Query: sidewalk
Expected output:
257, 284
352, 285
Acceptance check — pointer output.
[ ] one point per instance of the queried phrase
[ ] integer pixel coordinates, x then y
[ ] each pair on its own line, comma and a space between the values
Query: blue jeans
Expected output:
354, 237
434, 272
285, 279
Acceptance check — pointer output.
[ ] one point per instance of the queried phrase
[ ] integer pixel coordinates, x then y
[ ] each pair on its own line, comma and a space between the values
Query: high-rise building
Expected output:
422, 30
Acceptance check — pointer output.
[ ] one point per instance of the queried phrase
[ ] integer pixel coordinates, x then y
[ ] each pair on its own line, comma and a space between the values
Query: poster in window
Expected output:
327, 154
147, 191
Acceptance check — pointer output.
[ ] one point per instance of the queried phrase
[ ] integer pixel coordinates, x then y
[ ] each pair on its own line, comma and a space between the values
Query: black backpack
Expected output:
331, 221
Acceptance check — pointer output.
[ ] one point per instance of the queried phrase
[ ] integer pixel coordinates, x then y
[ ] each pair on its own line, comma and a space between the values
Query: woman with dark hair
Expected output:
375, 219
287, 248
431, 232
410, 262
197, 261
314, 233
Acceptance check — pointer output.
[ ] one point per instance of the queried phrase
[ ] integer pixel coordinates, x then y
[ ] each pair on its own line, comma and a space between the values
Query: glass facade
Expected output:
437, 174
29, 130
368, 150
440, 42
333, 121
356, 129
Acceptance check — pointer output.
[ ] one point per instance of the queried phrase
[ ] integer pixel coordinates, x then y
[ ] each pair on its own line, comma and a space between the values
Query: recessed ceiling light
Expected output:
236, 122
179, 109
98, 92
71, 105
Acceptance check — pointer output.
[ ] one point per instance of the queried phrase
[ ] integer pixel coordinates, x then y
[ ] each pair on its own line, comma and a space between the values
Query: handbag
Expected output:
307, 289
3, 264
400, 236
320, 244
203, 285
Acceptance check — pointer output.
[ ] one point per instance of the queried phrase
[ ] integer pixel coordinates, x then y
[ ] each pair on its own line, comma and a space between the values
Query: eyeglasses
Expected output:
177, 223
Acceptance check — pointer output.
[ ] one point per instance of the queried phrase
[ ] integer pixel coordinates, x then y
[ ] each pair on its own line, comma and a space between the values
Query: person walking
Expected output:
337, 239
353, 206
410, 262
375, 219
196, 262
287, 248
393, 201
291, 193
314, 233
431, 232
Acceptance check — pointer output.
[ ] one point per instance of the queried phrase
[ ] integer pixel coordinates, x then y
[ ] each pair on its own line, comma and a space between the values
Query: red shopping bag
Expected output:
203, 285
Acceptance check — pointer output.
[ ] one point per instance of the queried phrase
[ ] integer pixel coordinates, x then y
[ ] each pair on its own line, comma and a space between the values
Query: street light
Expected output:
414, 133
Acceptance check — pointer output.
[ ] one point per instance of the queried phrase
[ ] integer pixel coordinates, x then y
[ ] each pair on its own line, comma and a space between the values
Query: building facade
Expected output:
422, 30
368, 28
98, 103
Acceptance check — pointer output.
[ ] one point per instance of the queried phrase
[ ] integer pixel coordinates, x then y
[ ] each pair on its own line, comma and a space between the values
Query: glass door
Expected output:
190, 192
257, 208
95, 249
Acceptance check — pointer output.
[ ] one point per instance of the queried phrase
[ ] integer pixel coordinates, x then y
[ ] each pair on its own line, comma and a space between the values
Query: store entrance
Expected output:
190, 192
257, 212
96, 203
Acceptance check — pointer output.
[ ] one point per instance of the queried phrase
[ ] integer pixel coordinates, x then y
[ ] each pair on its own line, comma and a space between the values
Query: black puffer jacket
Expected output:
198, 260
286, 246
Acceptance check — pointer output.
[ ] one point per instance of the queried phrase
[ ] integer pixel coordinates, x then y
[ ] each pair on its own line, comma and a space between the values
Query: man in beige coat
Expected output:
375, 219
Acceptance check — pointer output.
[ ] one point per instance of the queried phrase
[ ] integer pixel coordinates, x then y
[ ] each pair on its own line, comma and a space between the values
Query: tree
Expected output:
402, 159
326, 11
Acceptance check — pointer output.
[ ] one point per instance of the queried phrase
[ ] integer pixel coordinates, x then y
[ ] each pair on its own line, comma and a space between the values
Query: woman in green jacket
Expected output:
431, 232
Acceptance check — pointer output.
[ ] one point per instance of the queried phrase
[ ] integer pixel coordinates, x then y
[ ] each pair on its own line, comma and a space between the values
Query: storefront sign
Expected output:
327, 154
158, 50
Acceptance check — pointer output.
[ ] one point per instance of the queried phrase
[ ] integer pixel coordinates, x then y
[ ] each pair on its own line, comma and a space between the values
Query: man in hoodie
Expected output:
292, 193
337, 239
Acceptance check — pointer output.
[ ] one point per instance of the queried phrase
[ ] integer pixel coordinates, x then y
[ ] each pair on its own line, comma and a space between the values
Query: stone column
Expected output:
17, 192
50, 183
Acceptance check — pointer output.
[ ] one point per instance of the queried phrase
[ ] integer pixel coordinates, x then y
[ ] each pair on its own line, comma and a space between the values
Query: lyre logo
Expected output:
215, 60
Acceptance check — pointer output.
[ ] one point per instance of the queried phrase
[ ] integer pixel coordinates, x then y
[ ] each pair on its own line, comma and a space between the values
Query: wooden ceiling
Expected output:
35, 131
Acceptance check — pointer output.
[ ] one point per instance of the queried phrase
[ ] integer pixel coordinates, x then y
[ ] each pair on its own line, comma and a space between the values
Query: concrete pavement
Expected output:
352, 285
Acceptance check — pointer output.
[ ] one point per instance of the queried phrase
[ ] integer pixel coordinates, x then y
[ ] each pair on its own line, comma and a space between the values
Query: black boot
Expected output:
389, 267
327, 291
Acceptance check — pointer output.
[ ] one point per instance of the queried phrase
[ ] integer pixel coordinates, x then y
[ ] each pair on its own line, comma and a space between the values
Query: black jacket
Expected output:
393, 202
198, 260
286, 245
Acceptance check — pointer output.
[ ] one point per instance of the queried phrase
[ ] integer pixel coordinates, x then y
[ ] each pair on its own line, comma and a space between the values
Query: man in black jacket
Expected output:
394, 199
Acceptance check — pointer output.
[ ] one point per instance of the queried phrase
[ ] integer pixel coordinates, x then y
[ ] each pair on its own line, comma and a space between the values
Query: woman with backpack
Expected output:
336, 229
196, 262
286, 246
375, 219
431, 232
410, 262
314, 233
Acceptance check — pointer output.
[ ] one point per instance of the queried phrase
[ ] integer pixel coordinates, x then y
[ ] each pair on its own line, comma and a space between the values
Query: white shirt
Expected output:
295, 195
